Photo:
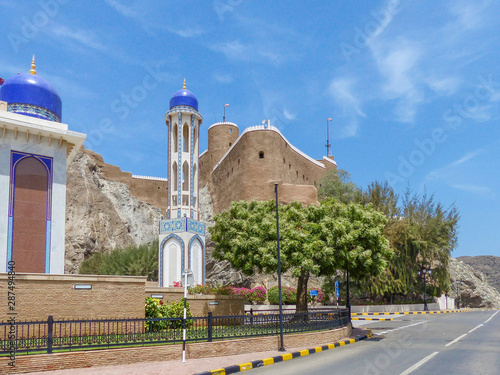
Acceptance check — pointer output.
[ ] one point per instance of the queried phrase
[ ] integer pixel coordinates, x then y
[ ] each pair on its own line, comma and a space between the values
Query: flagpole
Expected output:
224, 117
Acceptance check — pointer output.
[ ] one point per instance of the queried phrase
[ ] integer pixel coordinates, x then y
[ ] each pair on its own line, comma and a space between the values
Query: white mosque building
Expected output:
36, 148
182, 235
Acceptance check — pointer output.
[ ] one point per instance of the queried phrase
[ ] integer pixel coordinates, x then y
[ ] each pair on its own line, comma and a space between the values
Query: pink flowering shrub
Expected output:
320, 298
257, 294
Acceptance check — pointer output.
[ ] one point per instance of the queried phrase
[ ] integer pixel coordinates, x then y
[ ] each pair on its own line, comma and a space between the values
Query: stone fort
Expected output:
246, 166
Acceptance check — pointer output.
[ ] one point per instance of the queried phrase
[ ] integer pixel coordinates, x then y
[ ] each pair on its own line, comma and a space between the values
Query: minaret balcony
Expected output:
183, 224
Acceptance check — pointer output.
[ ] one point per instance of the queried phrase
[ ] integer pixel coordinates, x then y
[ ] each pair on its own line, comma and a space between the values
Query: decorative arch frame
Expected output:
190, 246
47, 162
162, 250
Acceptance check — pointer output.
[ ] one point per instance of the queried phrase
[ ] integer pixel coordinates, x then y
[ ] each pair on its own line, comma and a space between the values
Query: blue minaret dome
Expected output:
31, 95
184, 97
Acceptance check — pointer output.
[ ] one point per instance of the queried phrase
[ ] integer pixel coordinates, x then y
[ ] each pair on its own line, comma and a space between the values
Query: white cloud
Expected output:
398, 64
289, 115
139, 13
84, 38
223, 77
481, 190
237, 51
453, 176
465, 158
343, 93
469, 15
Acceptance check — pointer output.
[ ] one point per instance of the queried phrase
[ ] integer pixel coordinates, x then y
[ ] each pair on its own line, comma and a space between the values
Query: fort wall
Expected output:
153, 191
258, 159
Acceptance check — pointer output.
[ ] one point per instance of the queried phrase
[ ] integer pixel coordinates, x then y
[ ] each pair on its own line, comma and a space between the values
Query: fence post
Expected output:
50, 325
209, 326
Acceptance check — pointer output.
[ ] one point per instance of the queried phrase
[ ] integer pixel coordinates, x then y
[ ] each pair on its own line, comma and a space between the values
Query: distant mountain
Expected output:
487, 264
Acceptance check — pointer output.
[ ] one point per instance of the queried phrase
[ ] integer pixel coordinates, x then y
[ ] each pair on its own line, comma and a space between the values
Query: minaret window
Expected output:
175, 176
185, 176
175, 138
261, 155
185, 136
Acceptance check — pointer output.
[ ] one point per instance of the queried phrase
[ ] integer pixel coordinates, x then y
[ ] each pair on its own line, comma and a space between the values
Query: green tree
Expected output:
315, 240
337, 184
132, 261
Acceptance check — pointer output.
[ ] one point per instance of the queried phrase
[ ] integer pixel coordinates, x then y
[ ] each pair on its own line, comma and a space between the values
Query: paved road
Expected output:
462, 343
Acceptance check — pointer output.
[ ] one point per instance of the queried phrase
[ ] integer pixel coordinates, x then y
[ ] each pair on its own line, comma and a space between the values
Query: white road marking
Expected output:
473, 329
417, 365
491, 317
397, 329
458, 338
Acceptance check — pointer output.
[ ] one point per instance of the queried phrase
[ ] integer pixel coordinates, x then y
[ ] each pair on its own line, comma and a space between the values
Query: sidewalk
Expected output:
192, 366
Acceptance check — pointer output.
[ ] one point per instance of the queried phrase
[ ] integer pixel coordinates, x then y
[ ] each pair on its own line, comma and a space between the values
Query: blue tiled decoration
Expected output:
183, 224
173, 226
195, 226
179, 165
169, 187
191, 155
34, 92
47, 246
33, 111
184, 109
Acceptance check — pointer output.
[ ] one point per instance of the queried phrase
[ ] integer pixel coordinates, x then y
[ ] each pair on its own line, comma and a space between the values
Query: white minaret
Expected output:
182, 236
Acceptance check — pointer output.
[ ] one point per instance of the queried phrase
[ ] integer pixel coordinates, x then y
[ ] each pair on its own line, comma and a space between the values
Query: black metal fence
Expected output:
62, 335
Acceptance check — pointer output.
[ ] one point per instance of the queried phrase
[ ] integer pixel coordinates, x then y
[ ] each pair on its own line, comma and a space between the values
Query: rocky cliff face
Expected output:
474, 290
101, 214
487, 264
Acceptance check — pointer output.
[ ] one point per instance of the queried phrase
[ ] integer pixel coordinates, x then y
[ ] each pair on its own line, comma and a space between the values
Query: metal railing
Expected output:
66, 335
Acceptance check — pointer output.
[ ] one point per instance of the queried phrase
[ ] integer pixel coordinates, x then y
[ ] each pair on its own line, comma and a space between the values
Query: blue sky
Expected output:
413, 87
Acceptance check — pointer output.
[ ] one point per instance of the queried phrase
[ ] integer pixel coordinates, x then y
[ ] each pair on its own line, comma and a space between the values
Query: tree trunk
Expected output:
302, 292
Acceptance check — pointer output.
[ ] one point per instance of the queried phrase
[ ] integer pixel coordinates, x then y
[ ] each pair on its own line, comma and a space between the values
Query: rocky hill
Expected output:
102, 213
487, 264
473, 287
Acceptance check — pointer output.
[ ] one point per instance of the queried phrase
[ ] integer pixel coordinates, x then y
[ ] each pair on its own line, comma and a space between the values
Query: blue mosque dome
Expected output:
184, 97
31, 95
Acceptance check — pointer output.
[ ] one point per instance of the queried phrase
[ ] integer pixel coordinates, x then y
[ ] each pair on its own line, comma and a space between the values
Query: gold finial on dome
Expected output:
33, 69
184, 86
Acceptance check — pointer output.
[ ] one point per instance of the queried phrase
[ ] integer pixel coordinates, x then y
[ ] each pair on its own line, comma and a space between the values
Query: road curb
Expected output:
410, 312
377, 319
284, 357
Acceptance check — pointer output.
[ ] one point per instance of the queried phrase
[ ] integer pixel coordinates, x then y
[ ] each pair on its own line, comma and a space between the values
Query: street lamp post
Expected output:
282, 348
188, 280
424, 272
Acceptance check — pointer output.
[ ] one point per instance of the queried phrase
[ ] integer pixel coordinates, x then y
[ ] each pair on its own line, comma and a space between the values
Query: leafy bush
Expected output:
132, 261
200, 289
155, 308
289, 295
